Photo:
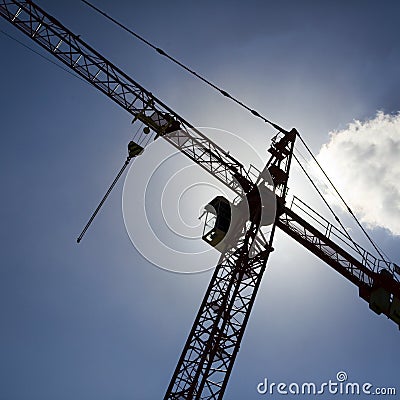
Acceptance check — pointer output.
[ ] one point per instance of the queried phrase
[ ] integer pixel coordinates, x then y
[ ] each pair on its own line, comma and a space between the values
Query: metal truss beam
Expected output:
213, 343
86, 62
358, 269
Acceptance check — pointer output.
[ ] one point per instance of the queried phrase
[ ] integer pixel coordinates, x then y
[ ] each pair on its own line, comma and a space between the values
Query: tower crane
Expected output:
209, 353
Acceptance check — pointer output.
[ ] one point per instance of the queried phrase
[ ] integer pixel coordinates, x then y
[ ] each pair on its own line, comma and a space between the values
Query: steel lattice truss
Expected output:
114, 83
210, 351
356, 270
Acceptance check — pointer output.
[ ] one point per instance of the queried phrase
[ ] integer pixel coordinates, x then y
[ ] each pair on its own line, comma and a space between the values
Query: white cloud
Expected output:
363, 161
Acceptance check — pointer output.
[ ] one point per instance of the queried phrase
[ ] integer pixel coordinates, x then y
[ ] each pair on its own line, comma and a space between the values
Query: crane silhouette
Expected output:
209, 353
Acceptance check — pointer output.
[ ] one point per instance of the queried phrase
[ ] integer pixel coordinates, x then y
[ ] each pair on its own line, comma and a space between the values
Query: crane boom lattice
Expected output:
71, 50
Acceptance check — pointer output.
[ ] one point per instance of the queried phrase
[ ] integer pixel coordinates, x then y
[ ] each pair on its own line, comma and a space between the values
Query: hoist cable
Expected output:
342, 199
191, 71
327, 204
320, 181
319, 192
103, 200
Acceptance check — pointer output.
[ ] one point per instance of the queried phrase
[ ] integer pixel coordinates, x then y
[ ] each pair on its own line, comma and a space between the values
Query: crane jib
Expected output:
71, 50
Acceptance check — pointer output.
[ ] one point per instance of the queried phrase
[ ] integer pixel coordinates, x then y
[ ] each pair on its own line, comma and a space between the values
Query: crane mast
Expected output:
209, 353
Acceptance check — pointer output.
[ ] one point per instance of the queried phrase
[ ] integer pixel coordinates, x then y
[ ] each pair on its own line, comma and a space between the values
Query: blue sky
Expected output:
96, 320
